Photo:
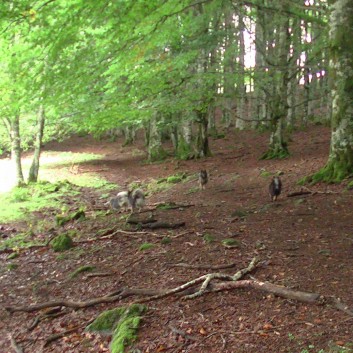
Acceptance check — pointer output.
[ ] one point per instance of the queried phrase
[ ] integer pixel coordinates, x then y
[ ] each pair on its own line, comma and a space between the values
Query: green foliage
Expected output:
122, 323
61, 243
86, 268
146, 246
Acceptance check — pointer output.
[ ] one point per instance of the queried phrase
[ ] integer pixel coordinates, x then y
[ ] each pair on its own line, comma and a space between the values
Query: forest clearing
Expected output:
303, 243
176, 176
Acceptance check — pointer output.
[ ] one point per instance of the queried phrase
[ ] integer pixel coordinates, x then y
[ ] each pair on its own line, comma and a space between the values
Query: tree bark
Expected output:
340, 161
155, 149
16, 148
34, 169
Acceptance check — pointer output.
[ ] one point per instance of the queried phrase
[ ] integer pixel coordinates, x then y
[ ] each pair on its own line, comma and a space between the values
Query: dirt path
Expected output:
305, 242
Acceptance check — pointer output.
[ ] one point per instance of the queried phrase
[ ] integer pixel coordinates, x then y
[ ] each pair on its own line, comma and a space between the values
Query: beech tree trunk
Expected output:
16, 148
155, 149
34, 169
340, 161
240, 119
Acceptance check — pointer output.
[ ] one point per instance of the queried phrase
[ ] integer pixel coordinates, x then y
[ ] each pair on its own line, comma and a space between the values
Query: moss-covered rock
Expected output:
62, 242
121, 323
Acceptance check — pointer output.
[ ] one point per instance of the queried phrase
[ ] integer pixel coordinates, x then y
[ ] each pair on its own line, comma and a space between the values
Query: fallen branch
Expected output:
299, 193
163, 225
310, 192
304, 297
202, 267
229, 282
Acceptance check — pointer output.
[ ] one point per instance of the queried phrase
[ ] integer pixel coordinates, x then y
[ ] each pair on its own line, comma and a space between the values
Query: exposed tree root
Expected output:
228, 282
50, 313
58, 335
14, 345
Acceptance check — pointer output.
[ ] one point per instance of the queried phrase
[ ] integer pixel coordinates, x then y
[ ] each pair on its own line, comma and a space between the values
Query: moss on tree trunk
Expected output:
340, 161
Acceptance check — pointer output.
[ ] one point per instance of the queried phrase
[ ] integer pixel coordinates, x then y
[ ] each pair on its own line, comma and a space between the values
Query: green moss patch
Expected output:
61, 242
231, 243
208, 238
86, 268
121, 323
78, 215
146, 246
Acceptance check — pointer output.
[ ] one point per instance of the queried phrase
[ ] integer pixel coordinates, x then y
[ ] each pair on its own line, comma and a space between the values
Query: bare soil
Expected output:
304, 242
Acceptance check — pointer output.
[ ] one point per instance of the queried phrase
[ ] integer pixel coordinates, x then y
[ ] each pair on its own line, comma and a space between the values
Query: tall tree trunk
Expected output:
34, 169
293, 76
185, 148
241, 91
202, 146
16, 148
155, 149
340, 161
129, 135
278, 106
228, 68
260, 73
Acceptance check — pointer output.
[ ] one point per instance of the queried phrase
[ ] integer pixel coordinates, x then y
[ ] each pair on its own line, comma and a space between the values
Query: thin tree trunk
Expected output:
16, 148
240, 120
34, 169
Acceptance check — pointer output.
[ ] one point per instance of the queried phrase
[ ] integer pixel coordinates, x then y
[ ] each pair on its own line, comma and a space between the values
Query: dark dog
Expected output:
275, 188
203, 179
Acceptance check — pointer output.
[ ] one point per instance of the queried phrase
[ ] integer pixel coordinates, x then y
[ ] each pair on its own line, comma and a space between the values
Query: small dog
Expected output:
275, 188
203, 179
128, 199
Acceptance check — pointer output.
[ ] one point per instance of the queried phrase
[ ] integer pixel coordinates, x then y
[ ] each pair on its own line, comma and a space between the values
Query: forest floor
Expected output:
304, 243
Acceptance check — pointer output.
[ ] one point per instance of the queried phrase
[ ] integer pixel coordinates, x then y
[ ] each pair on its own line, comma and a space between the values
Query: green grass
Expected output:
21, 202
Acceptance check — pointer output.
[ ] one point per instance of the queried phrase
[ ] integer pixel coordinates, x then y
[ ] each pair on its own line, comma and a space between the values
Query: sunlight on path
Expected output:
7, 175
54, 166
